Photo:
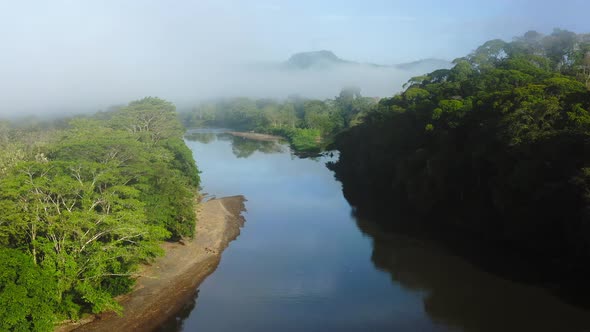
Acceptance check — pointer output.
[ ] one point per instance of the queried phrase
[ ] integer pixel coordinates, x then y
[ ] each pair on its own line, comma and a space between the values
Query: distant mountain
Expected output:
327, 59
425, 65
322, 74
315, 60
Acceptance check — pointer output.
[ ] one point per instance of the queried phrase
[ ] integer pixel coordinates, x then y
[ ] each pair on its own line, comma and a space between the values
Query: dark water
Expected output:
304, 263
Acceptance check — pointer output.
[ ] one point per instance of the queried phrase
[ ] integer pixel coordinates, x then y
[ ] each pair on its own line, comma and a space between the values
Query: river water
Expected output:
303, 262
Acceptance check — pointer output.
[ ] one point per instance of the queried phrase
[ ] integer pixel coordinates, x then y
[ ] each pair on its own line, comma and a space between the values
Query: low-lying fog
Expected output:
88, 86
75, 56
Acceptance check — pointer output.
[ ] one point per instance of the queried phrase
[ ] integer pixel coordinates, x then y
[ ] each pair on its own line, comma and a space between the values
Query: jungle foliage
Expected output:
83, 203
309, 125
497, 146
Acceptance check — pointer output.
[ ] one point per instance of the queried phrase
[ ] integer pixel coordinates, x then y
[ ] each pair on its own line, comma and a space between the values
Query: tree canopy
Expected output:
81, 210
308, 124
496, 146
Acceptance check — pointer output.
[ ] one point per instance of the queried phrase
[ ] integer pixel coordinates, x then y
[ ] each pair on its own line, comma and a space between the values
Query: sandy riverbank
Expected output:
255, 136
167, 284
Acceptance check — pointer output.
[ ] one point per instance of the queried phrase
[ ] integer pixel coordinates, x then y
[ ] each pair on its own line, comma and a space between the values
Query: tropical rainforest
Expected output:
84, 201
308, 124
496, 148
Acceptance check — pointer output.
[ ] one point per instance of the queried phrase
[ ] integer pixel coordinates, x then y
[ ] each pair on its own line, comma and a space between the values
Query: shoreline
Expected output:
171, 280
256, 136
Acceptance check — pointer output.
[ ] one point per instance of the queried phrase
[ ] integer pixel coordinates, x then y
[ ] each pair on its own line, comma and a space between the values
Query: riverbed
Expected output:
303, 262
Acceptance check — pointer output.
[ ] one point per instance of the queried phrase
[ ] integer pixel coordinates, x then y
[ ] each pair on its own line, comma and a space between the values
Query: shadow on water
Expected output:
176, 322
460, 295
458, 288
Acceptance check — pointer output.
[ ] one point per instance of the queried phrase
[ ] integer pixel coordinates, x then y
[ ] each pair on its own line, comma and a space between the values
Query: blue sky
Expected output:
383, 31
390, 31
79, 50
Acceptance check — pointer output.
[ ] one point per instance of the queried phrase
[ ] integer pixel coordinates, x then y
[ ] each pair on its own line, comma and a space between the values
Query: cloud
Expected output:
85, 55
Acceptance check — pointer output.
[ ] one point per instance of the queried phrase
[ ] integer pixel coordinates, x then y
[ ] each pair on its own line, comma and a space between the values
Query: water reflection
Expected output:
241, 147
457, 294
244, 147
302, 264
201, 137
176, 323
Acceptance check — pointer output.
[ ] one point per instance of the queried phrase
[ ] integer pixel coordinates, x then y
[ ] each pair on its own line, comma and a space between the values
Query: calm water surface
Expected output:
304, 263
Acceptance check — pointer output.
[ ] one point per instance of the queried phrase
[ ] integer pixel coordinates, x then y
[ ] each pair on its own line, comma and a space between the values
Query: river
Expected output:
303, 262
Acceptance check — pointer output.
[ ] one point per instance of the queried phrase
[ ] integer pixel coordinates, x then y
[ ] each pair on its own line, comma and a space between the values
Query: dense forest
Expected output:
83, 202
309, 125
495, 148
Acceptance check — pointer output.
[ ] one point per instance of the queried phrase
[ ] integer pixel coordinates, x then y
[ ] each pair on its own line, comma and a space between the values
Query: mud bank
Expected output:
255, 136
168, 283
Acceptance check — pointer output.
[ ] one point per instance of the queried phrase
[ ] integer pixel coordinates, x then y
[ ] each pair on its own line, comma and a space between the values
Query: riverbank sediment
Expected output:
255, 136
170, 281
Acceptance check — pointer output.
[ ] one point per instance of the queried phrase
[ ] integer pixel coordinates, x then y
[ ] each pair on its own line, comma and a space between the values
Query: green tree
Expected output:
497, 145
28, 294
152, 119
83, 202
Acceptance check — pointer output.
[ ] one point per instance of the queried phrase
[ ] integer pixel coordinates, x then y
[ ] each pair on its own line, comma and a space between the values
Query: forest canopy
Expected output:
309, 124
83, 203
496, 146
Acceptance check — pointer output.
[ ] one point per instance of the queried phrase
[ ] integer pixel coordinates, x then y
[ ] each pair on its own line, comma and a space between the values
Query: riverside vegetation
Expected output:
496, 148
83, 203
309, 125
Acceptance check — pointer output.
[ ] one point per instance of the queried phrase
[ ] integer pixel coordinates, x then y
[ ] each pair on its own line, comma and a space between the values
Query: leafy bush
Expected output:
306, 140
28, 293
